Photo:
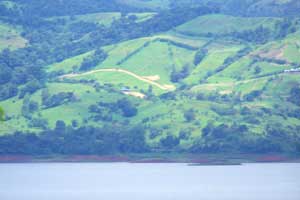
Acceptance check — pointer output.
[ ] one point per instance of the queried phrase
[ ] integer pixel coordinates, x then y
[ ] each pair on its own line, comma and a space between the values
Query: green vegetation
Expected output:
137, 76
103, 18
1, 114
224, 24
150, 4
10, 37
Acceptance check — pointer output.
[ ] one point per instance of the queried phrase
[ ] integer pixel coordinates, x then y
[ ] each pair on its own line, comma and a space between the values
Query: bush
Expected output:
253, 95
7, 91
295, 95
170, 142
97, 58
58, 99
128, 109
176, 76
199, 56
189, 115
39, 123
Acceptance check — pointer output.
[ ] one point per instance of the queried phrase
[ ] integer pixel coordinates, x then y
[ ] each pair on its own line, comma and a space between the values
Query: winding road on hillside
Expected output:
141, 78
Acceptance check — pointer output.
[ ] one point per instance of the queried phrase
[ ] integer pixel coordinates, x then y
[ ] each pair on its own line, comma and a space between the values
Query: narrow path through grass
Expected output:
141, 78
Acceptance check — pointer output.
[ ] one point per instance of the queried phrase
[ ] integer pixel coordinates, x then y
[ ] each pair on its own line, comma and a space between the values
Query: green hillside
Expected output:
224, 24
150, 4
212, 83
10, 37
103, 18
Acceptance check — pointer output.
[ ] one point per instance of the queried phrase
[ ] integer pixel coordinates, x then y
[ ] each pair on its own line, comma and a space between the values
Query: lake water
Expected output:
122, 181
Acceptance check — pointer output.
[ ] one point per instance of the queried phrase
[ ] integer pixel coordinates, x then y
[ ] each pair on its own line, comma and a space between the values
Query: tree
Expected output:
189, 115
134, 141
128, 109
177, 76
32, 86
39, 123
257, 70
25, 107
60, 126
45, 96
33, 106
74, 123
8, 90
1, 114
253, 95
5, 75
98, 57
170, 142
295, 95
199, 56
58, 99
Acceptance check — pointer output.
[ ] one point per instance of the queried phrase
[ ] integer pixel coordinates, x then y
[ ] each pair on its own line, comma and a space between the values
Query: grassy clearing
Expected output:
10, 37
287, 49
223, 24
121, 51
67, 65
151, 4
152, 60
120, 80
103, 18
209, 64
99, 18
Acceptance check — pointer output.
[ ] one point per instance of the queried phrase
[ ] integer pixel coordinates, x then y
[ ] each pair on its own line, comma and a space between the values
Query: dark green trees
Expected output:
94, 60
295, 95
1, 114
128, 109
199, 56
189, 115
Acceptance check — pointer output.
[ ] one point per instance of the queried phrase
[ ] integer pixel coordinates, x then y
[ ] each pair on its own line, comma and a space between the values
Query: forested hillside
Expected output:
136, 76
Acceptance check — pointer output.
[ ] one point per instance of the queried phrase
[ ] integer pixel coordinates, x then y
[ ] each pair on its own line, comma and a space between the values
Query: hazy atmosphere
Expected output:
179, 92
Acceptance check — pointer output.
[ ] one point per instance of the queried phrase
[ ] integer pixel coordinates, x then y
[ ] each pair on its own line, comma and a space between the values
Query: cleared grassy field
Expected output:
287, 49
67, 65
211, 62
121, 80
223, 24
151, 4
99, 18
10, 37
104, 18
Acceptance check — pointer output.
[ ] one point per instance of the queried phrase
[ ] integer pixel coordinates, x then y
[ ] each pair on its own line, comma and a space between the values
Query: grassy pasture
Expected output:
224, 24
10, 37
150, 4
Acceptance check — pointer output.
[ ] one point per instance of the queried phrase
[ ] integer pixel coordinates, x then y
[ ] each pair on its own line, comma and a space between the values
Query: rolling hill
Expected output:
209, 84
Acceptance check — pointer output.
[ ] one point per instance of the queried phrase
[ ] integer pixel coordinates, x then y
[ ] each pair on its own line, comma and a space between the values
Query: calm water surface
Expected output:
116, 181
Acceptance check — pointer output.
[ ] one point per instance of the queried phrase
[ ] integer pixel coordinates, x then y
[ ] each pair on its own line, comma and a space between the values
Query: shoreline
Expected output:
190, 159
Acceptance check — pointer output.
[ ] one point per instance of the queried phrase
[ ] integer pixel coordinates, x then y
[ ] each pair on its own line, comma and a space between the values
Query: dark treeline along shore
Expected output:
97, 77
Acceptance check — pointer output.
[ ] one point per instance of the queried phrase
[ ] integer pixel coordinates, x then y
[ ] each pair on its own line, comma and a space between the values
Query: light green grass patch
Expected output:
151, 4
103, 18
210, 63
224, 24
10, 37
151, 60
122, 50
67, 65
292, 52
120, 80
